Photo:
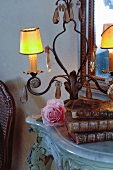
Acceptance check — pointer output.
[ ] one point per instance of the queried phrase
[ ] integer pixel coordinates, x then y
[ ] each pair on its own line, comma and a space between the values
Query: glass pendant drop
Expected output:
66, 17
92, 63
56, 16
48, 62
24, 95
71, 11
93, 59
58, 85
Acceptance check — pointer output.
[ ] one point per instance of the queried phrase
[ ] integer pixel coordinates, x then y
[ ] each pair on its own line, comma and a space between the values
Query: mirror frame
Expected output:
88, 29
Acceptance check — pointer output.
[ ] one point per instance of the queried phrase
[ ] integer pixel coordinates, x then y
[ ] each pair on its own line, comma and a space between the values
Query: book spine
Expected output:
90, 125
81, 138
91, 115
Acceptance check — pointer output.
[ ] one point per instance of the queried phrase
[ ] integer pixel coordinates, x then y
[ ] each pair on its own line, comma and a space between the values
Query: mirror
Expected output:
94, 14
102, 16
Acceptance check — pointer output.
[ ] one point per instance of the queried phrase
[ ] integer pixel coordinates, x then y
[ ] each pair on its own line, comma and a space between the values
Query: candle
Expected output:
33, 63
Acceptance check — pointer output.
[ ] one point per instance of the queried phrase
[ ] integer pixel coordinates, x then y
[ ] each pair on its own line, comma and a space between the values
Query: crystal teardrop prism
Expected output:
93, 59
24, 95
88, 90
92, 63
71, 13
66, 17
58, 85
56, 16
48, 62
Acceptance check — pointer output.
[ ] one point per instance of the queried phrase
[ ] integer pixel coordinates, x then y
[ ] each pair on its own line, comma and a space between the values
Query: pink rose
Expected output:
53, 114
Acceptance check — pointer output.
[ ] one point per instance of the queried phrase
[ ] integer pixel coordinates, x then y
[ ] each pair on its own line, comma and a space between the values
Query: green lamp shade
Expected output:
30, 41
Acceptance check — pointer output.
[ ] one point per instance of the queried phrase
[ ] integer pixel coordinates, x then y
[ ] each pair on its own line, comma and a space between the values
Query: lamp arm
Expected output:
55, 54
96, 83
85, 58
50, 83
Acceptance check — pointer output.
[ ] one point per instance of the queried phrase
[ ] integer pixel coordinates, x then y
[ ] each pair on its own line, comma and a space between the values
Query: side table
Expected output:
54, 143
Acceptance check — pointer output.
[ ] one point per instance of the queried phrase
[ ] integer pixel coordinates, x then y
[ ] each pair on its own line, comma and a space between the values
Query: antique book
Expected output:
80, 138
84, 108
93, 114
87, 125
84, 103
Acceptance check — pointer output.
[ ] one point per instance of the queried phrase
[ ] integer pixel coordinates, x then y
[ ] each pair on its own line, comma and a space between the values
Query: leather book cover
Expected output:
87, 125
80, 138
84, 108
93, 114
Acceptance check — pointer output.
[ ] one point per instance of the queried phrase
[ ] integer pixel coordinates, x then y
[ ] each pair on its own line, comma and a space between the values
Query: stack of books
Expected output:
90, 120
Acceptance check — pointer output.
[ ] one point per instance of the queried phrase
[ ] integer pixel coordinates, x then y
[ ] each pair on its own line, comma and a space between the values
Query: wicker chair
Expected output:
1, 148
7, 117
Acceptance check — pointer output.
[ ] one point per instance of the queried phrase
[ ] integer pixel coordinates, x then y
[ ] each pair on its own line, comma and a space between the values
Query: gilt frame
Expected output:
88, 29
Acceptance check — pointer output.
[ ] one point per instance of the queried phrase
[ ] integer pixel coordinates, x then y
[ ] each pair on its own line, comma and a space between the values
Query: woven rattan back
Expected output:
1, 148
7, 117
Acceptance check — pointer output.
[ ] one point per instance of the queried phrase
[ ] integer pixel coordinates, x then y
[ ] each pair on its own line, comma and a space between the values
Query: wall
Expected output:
15, 15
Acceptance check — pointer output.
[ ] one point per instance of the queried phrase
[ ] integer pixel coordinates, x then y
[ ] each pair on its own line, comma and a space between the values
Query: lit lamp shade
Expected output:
107, 36
30, 41
107, 42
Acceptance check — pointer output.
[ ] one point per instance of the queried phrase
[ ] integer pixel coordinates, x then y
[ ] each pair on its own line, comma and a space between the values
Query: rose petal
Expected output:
49, 102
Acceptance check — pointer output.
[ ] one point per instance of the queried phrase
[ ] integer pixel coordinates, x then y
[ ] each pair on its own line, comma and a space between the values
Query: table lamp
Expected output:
31, 44
107, 43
